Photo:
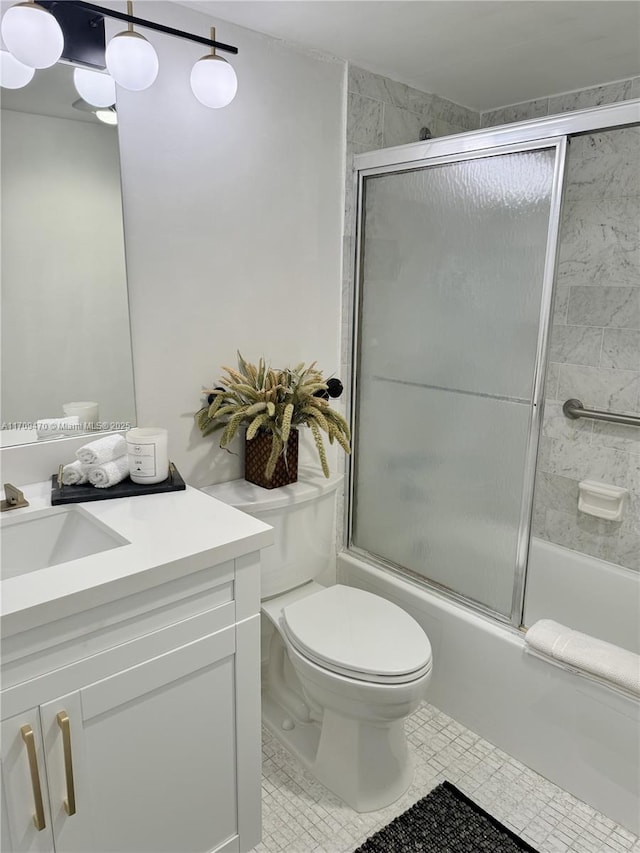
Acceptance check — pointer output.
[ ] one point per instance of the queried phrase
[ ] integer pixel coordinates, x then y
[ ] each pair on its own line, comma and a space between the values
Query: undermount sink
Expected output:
38, 540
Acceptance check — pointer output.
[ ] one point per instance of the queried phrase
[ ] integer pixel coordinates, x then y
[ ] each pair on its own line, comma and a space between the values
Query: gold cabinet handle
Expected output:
65, 728
28, 738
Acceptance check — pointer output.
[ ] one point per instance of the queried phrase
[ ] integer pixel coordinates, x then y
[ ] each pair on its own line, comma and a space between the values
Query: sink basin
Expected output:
44, 538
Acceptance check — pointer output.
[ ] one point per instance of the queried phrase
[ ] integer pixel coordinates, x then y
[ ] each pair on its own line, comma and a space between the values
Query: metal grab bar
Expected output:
575, 409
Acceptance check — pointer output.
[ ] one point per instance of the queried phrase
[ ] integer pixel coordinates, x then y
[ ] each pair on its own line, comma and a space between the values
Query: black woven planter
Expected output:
257, 451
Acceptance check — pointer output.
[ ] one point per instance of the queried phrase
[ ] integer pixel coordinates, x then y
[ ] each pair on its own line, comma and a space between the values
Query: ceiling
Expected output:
479, 53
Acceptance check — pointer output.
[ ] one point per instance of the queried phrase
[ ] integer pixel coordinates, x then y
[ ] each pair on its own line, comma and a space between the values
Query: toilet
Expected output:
342, 668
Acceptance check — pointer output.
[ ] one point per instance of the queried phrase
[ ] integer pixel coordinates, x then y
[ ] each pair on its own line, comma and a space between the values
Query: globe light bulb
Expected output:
13, 74
95, 87
107, 116
132, 61
213, 81
32, 35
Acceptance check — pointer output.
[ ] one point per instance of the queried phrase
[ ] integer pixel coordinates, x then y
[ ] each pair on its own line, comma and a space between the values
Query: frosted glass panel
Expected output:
442, 497
452, 273
452, 277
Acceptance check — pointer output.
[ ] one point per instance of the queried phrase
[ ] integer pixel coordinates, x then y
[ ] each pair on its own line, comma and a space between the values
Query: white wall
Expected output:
65, 321
233, 222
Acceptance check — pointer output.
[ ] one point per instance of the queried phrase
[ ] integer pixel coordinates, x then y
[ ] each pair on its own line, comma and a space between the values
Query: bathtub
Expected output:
581, 735
590, 595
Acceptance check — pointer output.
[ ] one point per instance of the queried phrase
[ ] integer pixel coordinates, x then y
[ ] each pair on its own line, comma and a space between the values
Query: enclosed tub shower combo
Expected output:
497, 279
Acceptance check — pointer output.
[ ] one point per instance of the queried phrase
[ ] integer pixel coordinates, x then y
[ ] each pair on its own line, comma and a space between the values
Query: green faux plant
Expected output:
276, 402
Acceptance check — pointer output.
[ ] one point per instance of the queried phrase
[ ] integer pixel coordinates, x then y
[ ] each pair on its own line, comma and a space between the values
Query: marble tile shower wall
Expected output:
609, 93
595, 339
595, 348
382, 113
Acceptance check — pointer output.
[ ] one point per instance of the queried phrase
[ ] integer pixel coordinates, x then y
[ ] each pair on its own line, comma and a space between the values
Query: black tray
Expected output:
124, 489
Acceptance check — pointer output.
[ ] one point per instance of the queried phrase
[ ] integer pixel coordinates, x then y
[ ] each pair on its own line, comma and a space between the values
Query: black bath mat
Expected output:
445, 821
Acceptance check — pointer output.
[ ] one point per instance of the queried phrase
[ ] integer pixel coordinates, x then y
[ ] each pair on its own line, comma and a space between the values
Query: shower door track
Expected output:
549, 132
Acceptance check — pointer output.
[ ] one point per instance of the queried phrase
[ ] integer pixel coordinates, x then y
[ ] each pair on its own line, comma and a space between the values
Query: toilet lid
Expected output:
358, 634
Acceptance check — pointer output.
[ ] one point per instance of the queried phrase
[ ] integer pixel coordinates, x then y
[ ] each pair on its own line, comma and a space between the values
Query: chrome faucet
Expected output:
14, 498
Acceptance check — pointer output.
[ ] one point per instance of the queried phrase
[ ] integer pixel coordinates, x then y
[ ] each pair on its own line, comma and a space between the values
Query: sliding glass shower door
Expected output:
456, 260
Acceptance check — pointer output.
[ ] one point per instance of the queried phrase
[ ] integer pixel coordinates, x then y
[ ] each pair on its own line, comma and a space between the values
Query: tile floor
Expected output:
299, 815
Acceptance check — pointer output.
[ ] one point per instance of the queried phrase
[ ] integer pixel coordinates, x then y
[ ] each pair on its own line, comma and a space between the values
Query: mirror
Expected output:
65, 313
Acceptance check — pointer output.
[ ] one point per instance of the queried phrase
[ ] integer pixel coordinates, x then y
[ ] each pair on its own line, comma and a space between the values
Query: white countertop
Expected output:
162, 530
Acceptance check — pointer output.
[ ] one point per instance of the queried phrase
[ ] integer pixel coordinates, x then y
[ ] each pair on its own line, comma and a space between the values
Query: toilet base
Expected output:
367, 766
301, 741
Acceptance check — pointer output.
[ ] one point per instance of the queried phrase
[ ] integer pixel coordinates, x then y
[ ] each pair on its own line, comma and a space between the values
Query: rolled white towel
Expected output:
620, 667
103, 450
48, 427
110, 473
74, 474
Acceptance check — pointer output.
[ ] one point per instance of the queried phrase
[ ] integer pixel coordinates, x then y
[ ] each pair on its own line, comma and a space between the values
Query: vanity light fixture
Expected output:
107, 116
131, 59
213, 80
13, 74
95, 87
32, 34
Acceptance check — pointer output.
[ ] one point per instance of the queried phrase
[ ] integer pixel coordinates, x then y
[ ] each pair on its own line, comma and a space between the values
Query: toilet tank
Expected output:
303, 517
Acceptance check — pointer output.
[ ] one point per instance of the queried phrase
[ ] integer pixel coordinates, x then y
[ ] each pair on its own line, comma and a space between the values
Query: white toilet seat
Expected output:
369, 677
357, 635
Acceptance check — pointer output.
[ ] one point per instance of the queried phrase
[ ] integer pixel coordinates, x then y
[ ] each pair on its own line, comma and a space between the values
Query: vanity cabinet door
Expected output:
26, 817
153, 753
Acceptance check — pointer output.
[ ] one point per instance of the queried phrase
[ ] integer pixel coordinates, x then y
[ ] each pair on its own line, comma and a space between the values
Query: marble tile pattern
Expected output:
595, 347
608, 93
516, 112
382, 113
299, 815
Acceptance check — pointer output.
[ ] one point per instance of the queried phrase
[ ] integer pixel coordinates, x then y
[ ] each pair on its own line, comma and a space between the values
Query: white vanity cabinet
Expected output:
134, 726
25, 800
144, 760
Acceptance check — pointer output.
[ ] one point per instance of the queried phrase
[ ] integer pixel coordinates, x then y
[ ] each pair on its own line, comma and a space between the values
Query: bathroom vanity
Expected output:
131, 676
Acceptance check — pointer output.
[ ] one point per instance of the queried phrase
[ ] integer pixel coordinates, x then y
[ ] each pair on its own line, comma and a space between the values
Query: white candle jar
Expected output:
86, 410
147, 448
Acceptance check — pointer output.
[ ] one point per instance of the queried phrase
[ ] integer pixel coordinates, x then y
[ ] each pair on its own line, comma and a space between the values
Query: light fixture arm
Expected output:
142, 22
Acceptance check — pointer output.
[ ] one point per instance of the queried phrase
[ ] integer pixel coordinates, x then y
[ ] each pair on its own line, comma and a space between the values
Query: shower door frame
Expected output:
552, 132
